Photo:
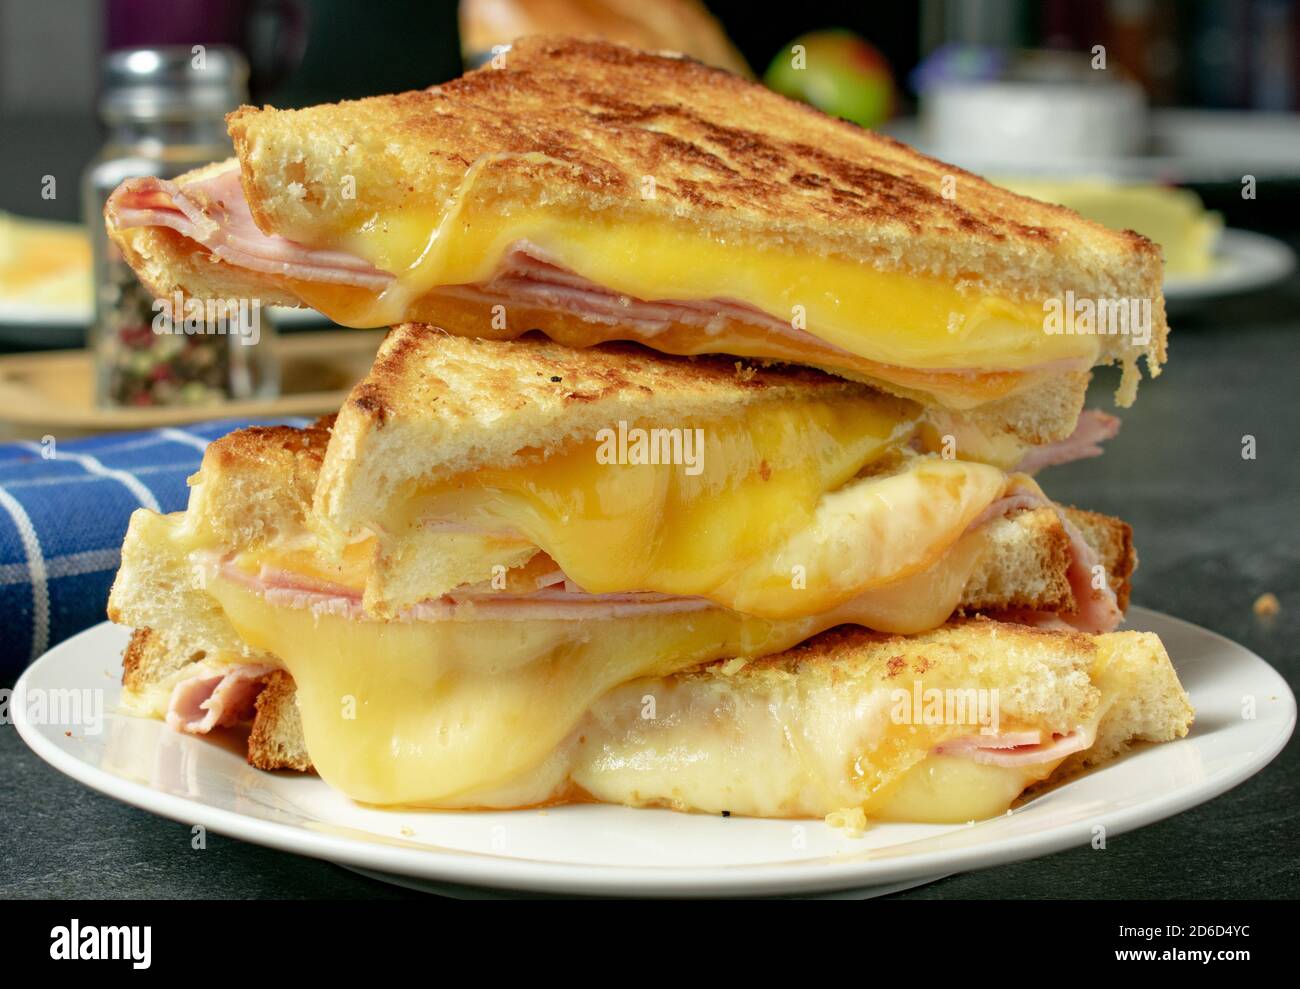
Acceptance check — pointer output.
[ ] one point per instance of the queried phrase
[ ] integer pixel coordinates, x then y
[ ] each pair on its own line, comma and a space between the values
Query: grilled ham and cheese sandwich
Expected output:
598, 193
776, 493
454, 556
948, 726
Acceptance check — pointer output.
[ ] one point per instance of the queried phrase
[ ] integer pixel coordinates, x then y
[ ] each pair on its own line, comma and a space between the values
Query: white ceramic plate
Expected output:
621, 851
1243, 261
36, 327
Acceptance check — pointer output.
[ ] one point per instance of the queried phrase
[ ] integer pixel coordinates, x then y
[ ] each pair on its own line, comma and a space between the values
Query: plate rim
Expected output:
1218, 284
472, 868
1149, 165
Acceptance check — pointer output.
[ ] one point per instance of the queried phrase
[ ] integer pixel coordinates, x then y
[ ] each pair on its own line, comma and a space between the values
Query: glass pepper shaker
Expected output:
164, 109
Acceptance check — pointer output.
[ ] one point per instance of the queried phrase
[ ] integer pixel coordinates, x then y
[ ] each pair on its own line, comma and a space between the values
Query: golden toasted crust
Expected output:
846, 644
136, 660
598, 117
259, 480
276, 740
421, 371
609, 115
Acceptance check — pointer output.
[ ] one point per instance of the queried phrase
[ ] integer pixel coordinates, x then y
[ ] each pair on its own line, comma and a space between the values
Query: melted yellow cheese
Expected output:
905, 320
306, 557
774, 524
416, 712
407, 726
488, 710
938, 790
423, 712
944, 789
794, 551
780, 748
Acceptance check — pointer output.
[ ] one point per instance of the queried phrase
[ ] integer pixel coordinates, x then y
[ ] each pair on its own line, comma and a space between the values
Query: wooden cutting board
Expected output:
54, 391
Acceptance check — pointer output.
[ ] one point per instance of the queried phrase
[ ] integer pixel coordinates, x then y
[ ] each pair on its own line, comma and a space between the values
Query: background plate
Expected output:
42, 327
620, 851
1184, 147
1243, 261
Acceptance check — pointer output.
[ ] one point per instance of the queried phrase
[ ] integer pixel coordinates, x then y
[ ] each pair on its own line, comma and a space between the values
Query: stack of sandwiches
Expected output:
697, 470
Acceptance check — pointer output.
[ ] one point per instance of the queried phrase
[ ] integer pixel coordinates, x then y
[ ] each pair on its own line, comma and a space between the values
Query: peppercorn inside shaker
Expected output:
164, 109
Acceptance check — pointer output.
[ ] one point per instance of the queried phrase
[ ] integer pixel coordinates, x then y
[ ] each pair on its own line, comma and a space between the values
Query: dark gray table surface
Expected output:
1214, 531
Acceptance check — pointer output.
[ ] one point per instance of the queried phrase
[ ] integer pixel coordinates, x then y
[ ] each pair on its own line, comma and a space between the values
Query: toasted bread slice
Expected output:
276, 740
432, 410
579, 125
574, 130
1120, 687
585, 121
261, 482
435, 405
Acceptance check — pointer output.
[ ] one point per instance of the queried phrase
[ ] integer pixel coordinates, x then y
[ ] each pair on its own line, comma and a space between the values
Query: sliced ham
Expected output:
559, 598
529, 276
1093, 429
213, 212
1023, 499
1019, 748
1003, 740
559, 601
1097, 609
215, 700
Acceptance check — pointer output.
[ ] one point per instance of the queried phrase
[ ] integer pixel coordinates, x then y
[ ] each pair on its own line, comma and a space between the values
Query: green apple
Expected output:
839, 73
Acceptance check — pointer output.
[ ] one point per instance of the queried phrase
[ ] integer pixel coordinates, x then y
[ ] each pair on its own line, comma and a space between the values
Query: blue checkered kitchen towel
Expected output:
64, 507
